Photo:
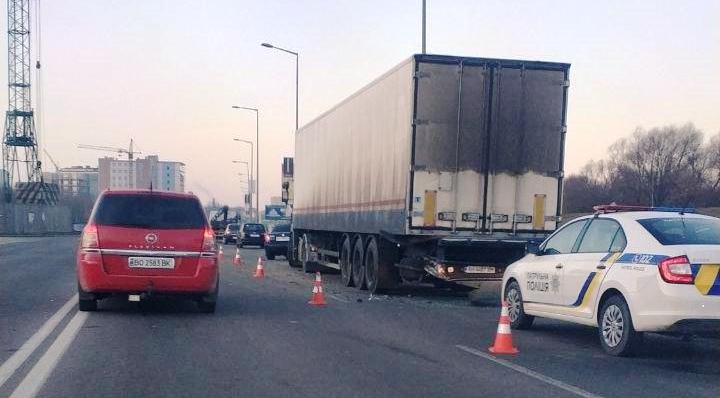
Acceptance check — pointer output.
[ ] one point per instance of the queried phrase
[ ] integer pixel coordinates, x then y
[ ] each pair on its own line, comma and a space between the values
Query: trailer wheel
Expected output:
307, 265
292, 254
345, 262
358, 264
379, 274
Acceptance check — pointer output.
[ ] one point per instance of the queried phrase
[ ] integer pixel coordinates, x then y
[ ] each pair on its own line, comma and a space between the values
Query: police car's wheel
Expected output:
516, 311
615, 328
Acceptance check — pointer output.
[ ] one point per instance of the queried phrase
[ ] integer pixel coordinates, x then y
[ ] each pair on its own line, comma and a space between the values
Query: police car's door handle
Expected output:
600, 267
559, 266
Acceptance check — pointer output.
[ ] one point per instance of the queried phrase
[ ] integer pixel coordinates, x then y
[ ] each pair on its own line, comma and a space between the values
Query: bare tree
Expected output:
713, 161
661, 161
662, 166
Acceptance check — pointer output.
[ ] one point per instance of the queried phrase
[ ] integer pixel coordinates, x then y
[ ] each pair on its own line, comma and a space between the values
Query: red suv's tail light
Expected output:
676, 270
89, 239
208, 240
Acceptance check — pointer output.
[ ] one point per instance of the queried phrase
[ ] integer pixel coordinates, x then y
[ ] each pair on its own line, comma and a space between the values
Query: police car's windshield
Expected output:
683, 231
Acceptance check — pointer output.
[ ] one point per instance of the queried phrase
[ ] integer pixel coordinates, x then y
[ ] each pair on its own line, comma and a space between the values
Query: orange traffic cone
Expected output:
503, 338
237, 260
259, 270
318, 297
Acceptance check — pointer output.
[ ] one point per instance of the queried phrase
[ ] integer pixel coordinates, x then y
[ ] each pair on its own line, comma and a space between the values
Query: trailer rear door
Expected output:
488, 138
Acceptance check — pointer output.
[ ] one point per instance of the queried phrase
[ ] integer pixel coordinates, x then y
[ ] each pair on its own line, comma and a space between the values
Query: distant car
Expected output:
144, 243
277, 241
231, 233
626, 272
252, 234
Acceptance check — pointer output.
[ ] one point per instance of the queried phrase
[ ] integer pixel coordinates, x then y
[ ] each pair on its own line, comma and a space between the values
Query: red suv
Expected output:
142, 243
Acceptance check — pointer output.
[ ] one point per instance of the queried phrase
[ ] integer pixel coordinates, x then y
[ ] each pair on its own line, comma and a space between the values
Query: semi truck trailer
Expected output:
444, 169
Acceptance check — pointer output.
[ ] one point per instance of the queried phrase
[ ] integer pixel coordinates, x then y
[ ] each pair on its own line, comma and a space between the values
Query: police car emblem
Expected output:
555, 283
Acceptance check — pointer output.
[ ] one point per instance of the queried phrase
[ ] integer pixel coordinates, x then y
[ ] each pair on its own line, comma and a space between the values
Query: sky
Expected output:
166, 72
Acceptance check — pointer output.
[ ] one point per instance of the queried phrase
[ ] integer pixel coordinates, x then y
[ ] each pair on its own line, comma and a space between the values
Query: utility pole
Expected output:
131, 172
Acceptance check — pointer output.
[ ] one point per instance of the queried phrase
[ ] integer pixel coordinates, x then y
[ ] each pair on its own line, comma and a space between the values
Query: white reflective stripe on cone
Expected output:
504, 311
503, 328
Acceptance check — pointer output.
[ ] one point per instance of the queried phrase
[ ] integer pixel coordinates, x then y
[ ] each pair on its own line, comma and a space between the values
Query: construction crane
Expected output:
19, 143
57, 168
120, 151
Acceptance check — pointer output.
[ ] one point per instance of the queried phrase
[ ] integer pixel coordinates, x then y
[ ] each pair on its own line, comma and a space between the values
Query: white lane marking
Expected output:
10, 240
21, 355
35, 379
340, 299
546, 379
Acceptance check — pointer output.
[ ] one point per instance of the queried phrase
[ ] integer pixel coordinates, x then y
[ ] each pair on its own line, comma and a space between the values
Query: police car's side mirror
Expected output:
533, 249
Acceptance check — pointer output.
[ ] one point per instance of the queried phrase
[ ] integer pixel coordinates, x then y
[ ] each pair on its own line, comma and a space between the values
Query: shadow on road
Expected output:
155, 305
697, 355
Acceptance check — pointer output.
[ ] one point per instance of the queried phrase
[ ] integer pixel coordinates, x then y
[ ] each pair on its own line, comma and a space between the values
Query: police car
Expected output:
626, 270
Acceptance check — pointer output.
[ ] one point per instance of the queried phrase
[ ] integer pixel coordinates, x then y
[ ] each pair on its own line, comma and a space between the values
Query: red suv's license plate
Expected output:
151, 262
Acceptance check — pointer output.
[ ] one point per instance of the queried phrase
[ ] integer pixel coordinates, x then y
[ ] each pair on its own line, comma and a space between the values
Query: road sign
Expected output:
274, 212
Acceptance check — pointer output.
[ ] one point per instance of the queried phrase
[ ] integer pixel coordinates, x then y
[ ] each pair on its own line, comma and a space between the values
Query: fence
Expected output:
34, 219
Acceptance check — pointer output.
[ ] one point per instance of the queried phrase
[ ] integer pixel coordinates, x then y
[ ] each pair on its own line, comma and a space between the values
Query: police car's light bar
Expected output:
614, 208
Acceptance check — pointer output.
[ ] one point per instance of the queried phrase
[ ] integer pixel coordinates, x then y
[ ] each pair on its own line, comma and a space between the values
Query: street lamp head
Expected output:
247, 108
242, 140
268, 45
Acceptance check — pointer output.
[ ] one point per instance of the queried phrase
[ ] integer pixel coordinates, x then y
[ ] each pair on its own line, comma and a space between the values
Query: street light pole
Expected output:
249, 167
423, 26
257, 158
297, 89
297, 78
249, 174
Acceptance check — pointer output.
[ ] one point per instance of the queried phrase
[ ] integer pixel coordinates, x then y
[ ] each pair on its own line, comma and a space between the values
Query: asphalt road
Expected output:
266, 341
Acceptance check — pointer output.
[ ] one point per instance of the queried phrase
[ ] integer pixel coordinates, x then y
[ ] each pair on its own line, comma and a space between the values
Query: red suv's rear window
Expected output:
149, 211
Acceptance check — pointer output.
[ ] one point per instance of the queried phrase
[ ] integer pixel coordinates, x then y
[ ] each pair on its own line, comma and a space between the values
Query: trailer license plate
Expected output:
475, 269
151, 262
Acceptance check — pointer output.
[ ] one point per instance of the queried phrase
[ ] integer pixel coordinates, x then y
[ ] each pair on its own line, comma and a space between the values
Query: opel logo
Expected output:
151, 238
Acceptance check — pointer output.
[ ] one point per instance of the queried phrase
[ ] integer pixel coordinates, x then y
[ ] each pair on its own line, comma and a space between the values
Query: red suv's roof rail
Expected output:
148, 192
615, 208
